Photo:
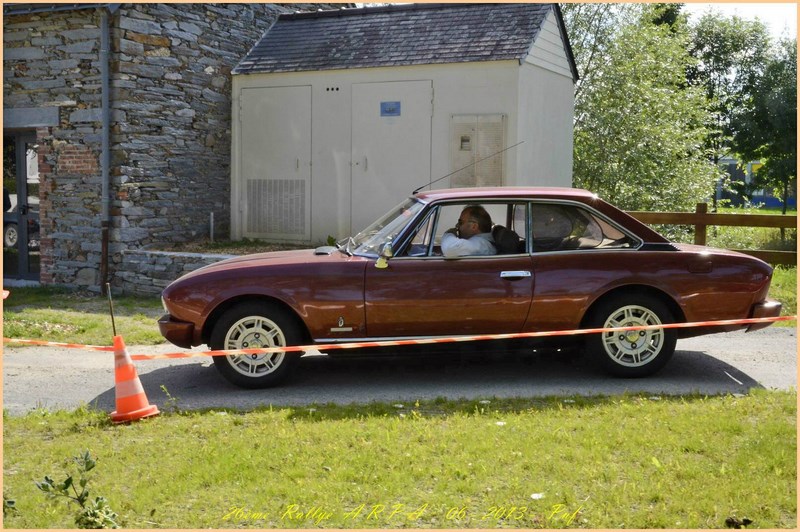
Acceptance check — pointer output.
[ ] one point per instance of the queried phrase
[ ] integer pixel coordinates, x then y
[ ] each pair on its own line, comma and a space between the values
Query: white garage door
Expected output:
276, 163
391, 146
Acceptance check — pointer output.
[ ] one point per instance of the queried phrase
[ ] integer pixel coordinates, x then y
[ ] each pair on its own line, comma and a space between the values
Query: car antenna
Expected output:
470, 164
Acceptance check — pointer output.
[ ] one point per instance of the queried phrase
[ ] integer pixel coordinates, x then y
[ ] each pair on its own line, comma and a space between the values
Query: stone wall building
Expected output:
131, 131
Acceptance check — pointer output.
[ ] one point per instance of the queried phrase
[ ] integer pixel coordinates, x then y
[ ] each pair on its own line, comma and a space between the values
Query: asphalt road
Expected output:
54, 378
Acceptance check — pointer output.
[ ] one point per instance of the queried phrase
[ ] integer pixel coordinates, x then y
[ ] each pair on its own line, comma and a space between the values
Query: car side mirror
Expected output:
386, 254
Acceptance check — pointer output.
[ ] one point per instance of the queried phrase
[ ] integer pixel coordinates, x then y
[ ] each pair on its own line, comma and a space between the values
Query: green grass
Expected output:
784, 289
61, 315
753, 238
631, 461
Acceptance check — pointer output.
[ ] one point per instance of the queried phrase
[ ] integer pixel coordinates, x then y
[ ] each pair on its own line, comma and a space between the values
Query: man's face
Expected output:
467, 226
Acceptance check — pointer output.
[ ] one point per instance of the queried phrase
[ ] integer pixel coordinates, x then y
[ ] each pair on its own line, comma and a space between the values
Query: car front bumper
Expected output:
180, 333
765, 309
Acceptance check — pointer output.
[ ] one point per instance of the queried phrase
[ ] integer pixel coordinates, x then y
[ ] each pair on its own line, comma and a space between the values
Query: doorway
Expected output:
391, 146
275, 186
21, 253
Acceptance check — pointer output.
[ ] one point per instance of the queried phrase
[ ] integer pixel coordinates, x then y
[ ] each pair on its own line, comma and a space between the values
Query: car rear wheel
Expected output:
10, 235
251, 326
632, 353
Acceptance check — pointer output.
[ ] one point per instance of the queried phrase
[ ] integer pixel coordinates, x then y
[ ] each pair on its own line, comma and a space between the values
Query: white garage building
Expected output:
339, 115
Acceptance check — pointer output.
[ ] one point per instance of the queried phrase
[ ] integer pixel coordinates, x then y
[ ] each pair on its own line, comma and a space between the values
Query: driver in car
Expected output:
472, 235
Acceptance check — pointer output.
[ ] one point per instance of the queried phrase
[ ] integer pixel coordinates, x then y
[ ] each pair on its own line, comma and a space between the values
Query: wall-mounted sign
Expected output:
390, 108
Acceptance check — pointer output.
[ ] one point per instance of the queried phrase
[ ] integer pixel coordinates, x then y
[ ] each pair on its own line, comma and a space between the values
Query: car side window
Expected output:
426, 240
561, 227
421, 239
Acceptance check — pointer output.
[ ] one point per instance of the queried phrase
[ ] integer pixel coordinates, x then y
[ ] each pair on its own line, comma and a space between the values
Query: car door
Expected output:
425, 294
577, 254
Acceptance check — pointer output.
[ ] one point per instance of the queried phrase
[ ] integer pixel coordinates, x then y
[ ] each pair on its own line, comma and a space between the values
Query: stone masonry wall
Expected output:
170, 144
171, 116
147, 273
50, 62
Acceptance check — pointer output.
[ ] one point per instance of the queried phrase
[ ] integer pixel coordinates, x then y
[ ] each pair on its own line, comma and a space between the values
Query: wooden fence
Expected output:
701, 219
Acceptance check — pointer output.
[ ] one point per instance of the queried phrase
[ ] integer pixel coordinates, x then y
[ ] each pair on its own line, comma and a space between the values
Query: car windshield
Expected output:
386, 229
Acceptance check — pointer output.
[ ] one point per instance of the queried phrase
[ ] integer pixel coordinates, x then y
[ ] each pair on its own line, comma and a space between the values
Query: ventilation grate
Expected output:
276, 206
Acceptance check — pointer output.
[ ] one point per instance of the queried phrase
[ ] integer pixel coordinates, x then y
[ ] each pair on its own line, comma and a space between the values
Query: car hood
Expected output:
271, 258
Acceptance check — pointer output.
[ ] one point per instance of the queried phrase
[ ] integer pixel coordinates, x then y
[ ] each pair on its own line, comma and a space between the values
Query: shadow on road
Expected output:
323, 379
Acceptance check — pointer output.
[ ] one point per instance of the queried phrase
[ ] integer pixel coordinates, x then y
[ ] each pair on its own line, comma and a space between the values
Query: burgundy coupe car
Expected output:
564, 260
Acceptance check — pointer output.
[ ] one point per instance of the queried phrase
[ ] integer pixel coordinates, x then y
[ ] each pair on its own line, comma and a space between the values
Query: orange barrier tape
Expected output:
59, 344
415, 341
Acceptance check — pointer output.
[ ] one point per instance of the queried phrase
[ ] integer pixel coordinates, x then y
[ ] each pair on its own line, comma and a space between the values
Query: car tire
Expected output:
249, 326
632, 353
10, 235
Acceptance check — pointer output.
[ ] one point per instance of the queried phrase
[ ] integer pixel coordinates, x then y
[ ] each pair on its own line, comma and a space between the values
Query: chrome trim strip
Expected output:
377, 339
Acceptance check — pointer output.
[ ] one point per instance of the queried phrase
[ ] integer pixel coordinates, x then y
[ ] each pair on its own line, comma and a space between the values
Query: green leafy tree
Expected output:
640, 129
669, 15
730, 53
592, 29
764, 125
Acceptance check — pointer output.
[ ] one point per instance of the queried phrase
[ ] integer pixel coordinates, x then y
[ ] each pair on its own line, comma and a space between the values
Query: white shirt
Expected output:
480, 244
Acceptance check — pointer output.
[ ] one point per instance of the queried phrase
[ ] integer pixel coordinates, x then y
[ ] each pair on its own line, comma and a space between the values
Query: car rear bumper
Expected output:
766, 309
180, 333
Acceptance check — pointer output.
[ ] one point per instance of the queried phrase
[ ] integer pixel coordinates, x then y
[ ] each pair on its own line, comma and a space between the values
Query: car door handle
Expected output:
513, 275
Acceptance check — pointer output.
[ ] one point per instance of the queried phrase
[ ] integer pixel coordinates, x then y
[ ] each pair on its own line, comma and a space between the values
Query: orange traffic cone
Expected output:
131, 400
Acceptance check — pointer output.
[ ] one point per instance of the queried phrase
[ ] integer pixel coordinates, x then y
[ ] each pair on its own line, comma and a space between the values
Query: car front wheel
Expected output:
632, 353
251, 326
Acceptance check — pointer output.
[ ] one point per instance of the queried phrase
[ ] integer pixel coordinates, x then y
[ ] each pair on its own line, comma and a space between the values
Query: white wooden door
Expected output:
276, 163
391, 146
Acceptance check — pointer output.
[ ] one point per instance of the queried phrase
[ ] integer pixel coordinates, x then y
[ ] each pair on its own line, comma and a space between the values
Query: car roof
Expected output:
644, 232
506, 192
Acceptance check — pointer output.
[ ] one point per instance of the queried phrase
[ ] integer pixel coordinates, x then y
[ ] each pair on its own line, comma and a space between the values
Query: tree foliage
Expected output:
730, 53
592, 28
669, 15
764, 124
639, 129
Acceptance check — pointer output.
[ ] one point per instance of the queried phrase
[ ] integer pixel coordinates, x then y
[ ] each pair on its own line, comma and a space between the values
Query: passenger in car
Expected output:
472, 235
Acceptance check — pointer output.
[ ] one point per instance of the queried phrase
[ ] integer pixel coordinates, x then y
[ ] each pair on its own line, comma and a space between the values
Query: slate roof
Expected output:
399, 35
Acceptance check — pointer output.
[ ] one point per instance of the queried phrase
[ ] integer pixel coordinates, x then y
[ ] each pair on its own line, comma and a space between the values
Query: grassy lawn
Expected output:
631, 461
784, 289
60, 315
751, 237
